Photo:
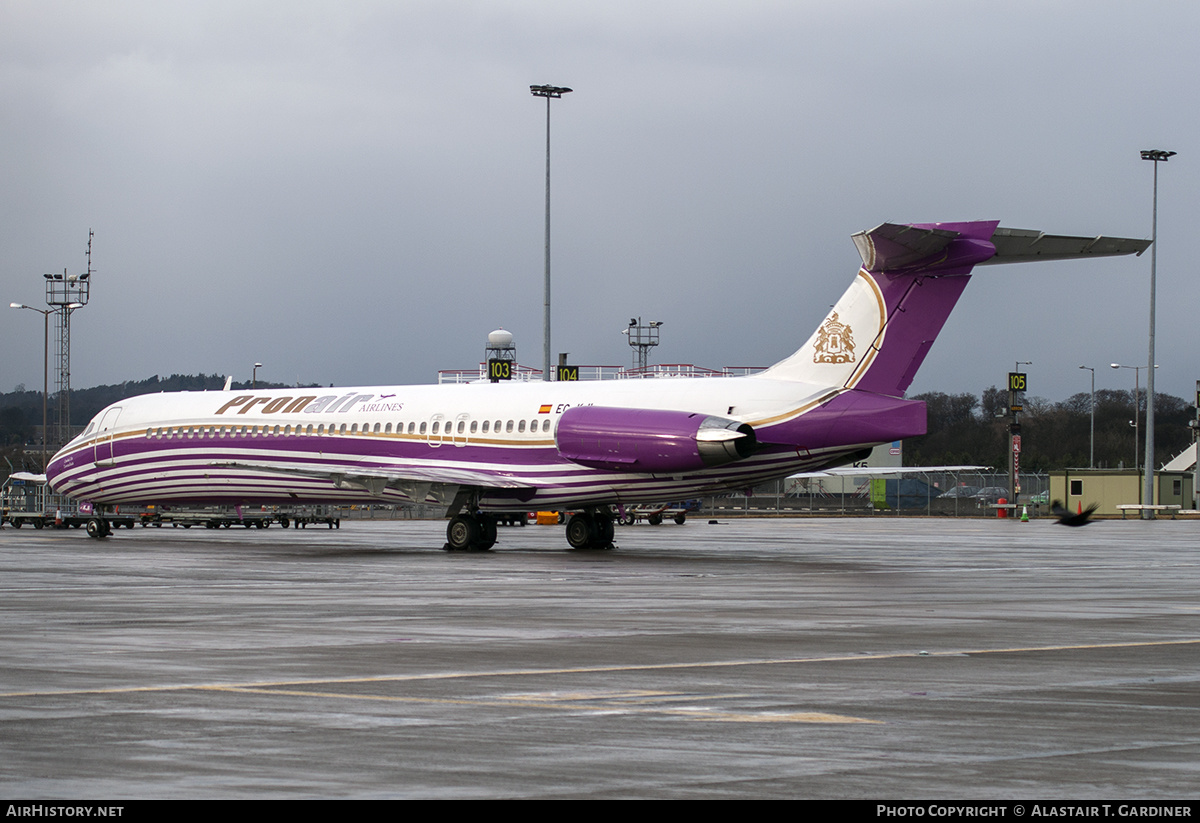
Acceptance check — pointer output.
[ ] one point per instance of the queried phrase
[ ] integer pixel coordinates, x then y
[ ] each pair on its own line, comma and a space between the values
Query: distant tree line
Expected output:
962, 429
965, 429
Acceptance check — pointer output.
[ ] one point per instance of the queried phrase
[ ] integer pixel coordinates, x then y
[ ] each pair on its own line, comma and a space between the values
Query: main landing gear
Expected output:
477, 532
471, 533
590, 530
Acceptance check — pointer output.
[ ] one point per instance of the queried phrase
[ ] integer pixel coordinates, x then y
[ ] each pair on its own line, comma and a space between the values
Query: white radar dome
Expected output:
500, 339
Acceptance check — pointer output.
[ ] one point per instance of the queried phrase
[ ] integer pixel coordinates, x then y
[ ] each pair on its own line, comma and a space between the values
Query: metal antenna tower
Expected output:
642, 338
64, 294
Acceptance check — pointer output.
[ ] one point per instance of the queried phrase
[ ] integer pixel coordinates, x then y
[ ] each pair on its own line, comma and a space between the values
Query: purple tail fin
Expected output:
878, 334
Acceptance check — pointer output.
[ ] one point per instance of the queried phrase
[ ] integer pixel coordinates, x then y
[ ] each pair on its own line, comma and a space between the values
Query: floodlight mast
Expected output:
64, 294
550, 93
1156, 156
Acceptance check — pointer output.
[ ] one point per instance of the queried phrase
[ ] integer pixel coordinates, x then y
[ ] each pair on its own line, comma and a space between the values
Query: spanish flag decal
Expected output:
545, 409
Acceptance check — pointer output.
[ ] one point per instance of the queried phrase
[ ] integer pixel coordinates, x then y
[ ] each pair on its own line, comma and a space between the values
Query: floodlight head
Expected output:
548, 91
1157, 154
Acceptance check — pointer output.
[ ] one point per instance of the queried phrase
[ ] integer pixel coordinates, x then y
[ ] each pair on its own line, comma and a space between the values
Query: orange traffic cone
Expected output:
1081, 507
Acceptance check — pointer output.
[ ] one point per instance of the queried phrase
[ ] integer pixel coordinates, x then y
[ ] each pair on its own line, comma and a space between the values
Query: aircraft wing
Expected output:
28, 477
413, 482
881, 471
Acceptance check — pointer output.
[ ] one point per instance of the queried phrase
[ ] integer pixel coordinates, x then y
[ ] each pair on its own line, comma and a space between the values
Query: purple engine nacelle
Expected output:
650, 440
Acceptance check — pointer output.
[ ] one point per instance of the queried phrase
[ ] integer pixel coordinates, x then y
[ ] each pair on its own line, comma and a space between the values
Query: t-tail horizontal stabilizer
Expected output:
911, 278
941, 247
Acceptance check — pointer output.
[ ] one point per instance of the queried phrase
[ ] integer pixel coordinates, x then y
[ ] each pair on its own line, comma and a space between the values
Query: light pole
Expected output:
1092, 442
254, 375
550, 93
45, 313
1156, 156
1137, 370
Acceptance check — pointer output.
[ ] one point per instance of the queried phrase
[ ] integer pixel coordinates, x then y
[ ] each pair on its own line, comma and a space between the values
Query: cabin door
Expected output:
103, 447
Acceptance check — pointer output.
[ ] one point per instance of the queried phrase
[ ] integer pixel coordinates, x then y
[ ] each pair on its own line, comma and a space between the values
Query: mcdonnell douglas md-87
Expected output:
585, 447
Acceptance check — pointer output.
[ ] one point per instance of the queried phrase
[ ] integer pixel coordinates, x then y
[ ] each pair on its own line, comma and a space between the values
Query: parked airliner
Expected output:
585, 447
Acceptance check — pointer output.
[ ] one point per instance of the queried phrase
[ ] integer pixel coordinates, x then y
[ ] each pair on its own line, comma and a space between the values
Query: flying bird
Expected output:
1066, 517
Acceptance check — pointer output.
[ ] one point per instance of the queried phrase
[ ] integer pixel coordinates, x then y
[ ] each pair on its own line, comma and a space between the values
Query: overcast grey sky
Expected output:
352, 192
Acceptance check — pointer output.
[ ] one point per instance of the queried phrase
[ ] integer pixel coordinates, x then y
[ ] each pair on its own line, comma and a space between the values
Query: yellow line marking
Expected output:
712, 664
583, 703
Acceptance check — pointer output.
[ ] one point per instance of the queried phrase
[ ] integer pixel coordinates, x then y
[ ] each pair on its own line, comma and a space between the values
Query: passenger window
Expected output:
423, 427
509, 427
520, 425
546, 425
461, 426
474, 426
436, 424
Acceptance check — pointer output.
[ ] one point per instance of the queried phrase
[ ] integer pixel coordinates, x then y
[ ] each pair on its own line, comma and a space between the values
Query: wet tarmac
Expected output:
799, 658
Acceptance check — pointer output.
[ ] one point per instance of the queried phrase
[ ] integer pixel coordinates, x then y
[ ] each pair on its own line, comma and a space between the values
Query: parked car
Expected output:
990, 494
959, 491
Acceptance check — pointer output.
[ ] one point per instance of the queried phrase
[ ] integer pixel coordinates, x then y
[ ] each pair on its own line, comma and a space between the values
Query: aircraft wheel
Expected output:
462, 533
97, 528
581, 531
487, 532
604, 531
